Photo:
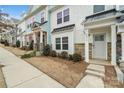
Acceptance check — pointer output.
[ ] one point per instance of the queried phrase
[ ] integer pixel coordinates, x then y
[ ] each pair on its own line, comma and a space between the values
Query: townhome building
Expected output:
93, 31
37, 29
66, 29
104, 34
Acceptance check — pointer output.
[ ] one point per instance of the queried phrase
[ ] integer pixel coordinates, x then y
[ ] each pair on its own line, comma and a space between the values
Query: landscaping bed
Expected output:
2, 81
110, 78
14, 50
66, 72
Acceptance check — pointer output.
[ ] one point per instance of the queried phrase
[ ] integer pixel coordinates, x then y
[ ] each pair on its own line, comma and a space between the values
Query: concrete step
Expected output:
96, 70
94, 73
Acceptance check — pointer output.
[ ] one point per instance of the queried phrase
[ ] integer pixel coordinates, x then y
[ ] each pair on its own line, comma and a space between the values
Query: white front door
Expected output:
99, 46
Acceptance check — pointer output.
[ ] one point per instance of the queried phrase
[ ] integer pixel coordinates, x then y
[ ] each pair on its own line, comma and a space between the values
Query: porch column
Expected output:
122, 45
41, 40
86, 46
34, 38
113, 44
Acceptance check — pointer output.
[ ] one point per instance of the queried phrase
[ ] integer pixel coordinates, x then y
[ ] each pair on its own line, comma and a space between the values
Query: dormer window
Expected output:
42, 17
98, 8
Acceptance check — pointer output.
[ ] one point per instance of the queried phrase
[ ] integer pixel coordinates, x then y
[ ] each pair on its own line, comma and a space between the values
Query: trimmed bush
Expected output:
64, 55
26, 56
76, 57
53, 53
17, 43
70, 57
32, 54
46, 50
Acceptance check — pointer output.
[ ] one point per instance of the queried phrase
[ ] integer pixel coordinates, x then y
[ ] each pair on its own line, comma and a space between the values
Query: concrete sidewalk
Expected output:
19, 73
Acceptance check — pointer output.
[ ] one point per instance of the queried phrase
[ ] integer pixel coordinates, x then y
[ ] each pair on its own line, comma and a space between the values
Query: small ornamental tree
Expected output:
17, 43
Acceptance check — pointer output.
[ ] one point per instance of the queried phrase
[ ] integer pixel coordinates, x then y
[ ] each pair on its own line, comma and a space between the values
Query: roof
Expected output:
64, 28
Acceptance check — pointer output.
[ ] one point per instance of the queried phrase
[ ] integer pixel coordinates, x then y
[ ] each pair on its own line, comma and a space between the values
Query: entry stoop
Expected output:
95, 73
96, 70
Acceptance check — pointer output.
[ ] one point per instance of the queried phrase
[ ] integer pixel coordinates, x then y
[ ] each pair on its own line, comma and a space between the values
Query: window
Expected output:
58, 43
42, 17
99, 38
66, 15
65, 43
121, 7
59, 18
98, 8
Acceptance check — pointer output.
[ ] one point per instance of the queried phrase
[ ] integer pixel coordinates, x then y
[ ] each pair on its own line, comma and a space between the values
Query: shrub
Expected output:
70, 57
31, 45
53, 53
17, 43
64, 55
6, 43
46, 50
32, 54
26, 56
76, 57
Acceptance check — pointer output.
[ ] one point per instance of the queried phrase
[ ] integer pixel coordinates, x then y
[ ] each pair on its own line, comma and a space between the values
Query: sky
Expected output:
14, 10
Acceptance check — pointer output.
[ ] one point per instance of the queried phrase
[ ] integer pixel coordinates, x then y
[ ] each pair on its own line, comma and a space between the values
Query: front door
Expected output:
99, 46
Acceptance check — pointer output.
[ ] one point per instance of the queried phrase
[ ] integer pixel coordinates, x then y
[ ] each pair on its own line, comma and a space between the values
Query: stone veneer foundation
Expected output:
80, 49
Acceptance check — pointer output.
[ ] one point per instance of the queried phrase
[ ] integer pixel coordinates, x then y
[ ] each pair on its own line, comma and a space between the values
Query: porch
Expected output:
100, 37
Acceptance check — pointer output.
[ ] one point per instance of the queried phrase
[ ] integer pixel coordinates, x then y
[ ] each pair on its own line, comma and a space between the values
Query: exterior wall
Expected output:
70, 41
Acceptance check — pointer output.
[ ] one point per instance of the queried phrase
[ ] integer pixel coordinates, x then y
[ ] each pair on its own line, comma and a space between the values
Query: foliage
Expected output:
17, 43
70, 57
53, 53
31, 45
76, 57
64, 55
46, 50
6, 43
26, 56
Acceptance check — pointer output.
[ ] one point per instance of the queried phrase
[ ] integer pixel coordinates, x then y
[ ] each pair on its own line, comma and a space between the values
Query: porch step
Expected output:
95, 73
97, 68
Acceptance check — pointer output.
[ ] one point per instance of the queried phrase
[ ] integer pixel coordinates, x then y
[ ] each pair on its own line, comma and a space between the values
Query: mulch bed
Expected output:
110, 78
66, 72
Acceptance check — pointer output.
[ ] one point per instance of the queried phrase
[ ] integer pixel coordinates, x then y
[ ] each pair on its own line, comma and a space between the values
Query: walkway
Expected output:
94, 77
20, 74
